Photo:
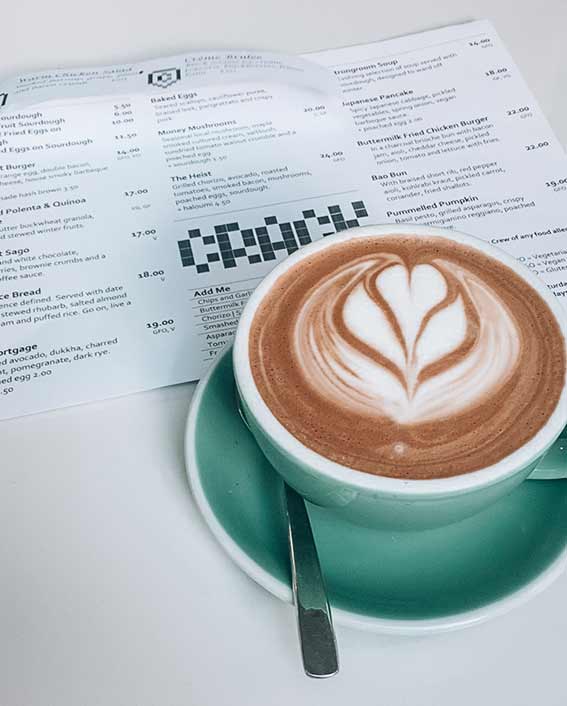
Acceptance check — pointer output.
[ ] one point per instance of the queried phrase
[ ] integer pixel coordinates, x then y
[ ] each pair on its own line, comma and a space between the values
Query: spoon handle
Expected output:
316, 634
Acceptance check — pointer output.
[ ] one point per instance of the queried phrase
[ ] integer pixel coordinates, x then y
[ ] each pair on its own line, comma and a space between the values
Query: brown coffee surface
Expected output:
407, 357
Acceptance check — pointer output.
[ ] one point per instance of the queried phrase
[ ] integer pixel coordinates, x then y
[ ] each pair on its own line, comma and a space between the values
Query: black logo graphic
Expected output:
164, 78
3, 99
230, 244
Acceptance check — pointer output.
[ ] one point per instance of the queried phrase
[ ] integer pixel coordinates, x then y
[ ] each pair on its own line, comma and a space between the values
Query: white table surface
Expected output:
112, 590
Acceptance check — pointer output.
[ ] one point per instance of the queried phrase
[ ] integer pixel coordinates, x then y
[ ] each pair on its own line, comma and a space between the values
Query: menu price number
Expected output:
337, 156
135, 192
129, 153
141, 234
161, 327
122, 109
151, 274
6, 391
522, 112
498, 73
557, 184
125, 136
481, 43
316, 110
536, 146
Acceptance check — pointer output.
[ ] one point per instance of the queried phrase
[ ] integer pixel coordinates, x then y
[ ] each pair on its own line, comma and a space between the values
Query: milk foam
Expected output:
388, 340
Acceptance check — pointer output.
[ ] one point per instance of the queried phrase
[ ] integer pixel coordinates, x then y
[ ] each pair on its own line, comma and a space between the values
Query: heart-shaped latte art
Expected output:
413, 345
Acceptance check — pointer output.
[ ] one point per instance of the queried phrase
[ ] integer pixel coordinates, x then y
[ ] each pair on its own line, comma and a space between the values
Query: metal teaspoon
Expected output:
314, 622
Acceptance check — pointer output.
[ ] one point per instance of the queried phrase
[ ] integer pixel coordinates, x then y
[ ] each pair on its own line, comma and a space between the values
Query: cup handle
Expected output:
553, 466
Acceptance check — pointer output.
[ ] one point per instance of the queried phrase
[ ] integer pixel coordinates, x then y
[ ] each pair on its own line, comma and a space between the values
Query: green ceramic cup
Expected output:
378, 501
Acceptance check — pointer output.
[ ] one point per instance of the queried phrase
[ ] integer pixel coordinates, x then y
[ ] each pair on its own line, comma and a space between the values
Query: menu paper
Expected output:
141, 204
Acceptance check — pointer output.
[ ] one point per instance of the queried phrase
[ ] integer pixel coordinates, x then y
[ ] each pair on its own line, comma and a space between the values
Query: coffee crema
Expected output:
405, 356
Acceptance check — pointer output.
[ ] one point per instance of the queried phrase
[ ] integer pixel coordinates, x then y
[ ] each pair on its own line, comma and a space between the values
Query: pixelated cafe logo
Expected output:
164, 78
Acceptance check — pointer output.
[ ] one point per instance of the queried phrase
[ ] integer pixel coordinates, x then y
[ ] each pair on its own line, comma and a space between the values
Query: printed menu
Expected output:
141, 204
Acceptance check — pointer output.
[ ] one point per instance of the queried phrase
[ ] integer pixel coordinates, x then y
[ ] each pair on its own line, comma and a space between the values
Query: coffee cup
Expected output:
472, 370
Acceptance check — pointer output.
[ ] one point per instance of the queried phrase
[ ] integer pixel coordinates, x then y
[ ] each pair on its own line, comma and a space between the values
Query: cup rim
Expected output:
305, 456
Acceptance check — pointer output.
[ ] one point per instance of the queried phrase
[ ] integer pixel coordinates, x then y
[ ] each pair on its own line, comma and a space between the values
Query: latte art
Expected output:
412, 345
407, 356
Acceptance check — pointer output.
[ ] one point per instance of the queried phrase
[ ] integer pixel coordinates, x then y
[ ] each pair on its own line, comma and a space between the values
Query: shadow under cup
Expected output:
385, 502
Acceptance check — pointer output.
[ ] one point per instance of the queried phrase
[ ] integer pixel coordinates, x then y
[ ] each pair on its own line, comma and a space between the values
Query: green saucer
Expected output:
404, 582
